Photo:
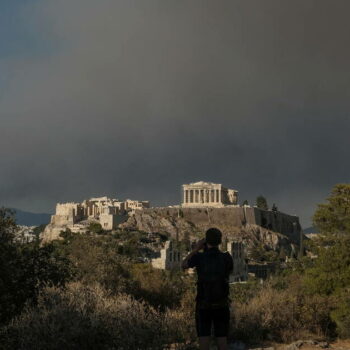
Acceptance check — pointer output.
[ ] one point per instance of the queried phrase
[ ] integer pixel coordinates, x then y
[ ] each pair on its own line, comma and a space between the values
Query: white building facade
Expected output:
208, 194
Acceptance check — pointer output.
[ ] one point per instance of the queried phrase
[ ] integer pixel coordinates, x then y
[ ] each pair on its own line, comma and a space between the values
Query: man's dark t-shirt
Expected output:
212, 307
219, 282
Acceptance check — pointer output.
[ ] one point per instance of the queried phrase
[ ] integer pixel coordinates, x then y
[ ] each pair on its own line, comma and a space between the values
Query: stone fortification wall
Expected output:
62, 220
203, 216
283, 223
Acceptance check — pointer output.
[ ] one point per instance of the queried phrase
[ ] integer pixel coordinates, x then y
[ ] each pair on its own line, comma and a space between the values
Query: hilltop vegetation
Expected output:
91, 291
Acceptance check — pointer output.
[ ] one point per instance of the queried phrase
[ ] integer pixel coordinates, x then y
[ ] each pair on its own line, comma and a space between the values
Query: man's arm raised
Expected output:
199, 245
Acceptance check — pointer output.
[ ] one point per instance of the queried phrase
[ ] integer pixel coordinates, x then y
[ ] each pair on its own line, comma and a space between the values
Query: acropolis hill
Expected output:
204, 204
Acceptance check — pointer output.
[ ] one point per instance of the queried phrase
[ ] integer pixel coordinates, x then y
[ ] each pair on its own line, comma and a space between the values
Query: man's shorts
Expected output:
218, 318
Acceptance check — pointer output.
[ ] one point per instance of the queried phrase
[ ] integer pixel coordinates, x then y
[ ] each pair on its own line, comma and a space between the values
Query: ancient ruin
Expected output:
240, 267
170, 258
208, 194
77, 217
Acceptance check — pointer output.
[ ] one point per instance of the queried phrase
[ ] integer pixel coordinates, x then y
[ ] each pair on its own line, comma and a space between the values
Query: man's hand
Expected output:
199, 245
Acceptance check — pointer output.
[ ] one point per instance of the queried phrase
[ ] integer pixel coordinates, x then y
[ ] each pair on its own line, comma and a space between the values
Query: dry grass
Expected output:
87, 317
281, 315
82, 317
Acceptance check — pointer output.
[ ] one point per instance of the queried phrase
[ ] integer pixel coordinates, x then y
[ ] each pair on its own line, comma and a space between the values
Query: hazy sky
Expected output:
134, 98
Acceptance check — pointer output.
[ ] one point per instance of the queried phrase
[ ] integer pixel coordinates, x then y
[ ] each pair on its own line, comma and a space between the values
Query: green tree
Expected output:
7, 226
331, 270
25, 268
274, 207
8, 267
39, 229
95, 227
245, 202
341, 315
334, 216
329, 274
261, 203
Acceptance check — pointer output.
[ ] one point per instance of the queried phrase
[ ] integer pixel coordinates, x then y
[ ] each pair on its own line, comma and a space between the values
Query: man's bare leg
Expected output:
222, 343
204, 343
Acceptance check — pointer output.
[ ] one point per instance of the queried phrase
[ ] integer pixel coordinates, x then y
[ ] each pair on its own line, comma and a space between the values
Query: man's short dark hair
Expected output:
213, 236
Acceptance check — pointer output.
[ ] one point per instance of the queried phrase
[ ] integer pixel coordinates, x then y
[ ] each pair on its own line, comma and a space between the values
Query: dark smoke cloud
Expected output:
134, 98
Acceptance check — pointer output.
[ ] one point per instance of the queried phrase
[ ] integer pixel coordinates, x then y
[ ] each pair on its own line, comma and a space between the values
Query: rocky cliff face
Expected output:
178, 227
190, 225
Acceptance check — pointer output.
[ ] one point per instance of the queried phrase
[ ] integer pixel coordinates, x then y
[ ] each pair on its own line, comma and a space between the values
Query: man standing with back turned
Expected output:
212, 302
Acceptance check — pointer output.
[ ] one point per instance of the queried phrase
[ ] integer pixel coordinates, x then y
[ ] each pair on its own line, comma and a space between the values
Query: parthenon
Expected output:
208, 194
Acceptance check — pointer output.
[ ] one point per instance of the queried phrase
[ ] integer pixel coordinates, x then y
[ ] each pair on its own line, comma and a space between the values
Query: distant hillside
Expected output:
311, 230
31, 219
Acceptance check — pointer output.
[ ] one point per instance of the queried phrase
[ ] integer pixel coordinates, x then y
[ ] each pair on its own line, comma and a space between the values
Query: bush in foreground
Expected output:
86, 317
282, 315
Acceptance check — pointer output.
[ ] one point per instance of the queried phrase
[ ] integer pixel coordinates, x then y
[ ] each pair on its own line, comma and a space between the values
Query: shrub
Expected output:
331, 270
87, 317
24, 269
281, 315
341, 315
95, 227
160, 288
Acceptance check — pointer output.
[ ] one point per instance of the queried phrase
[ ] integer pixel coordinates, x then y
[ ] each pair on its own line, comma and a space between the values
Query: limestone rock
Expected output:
176, 226
299, 343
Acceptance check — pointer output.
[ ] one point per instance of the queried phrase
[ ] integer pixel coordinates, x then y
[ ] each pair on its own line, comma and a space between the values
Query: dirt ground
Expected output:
338, 345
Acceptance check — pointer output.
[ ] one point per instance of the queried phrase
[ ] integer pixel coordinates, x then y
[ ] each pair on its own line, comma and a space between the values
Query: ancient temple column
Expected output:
220, 196
184, 196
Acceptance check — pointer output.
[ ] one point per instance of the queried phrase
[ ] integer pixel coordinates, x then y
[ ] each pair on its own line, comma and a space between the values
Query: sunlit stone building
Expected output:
170, 258
208, 194
106, 211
